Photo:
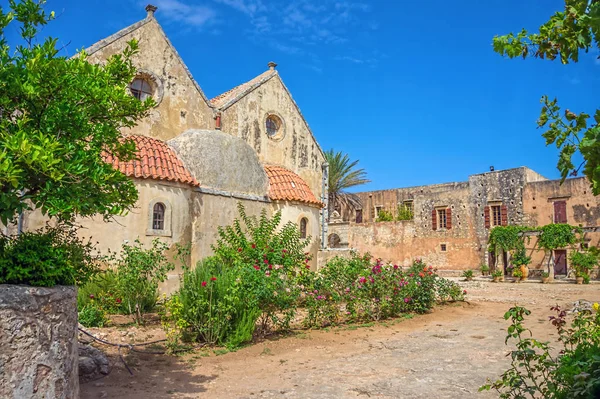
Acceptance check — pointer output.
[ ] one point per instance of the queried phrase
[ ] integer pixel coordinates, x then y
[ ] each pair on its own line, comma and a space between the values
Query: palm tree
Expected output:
343, 175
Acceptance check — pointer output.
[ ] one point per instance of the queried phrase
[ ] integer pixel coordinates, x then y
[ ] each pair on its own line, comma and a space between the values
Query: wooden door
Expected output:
560, 212
560, 262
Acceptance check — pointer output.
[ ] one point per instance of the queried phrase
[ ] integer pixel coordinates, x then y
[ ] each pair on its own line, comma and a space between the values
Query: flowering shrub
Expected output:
211, 306
92, 315
360, 290
535, 369
267, 259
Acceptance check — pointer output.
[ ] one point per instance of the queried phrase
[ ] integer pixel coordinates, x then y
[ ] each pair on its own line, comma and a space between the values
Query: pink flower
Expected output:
267, 273
92, 296
406, 300
395, 266
204, 283
362, 280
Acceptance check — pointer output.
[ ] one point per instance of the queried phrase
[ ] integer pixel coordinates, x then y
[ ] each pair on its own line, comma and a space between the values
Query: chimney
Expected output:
218, 121
272, 65
150, 9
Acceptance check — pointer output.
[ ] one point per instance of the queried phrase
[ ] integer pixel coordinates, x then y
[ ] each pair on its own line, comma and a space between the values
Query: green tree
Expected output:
563, 37
58, 116
343, 175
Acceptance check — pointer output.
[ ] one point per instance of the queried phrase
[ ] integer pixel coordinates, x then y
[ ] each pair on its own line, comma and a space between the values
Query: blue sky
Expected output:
412, 89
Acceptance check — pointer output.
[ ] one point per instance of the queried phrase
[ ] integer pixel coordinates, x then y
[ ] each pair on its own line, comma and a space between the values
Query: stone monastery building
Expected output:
198, 157
449, 224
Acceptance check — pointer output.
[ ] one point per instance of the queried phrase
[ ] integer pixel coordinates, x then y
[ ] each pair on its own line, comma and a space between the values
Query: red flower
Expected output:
239, 249
421, 275
91, 296
213, 279
256, 267
284, 251
266, 262
118, 300
253, 246
308, 266
270, 267
465, 292
204, 283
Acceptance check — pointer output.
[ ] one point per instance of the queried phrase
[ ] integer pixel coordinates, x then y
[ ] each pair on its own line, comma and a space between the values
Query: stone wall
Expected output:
38, 342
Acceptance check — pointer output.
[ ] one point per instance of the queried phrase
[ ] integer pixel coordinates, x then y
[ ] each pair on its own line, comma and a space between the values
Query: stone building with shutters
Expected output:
450, 223
197, 158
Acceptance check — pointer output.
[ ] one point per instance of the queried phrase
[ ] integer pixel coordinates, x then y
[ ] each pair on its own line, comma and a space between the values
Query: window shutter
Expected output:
560, 212
434, 219
486, 214
448, 218
504, 215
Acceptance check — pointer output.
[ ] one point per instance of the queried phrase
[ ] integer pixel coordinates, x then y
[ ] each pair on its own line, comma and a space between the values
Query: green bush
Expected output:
405, 213
138, 272
47, 257
384, 216
212, 306
538, 370
356, 289
92, 315
268, 258
102, 290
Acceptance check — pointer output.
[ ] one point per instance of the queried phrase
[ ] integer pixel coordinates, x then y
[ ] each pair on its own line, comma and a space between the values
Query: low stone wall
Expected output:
323, 256
38, 342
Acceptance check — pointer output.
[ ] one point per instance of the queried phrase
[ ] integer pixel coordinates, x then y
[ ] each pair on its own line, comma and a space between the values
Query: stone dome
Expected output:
221, 161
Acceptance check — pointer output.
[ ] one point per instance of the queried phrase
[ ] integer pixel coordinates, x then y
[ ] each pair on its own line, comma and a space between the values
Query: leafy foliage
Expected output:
58, 115
506, 238
92, 315
554, 236
138, 272
211, 306
405, 212
47, 257
536, 372
568, 32
582, 262
384, 216
268, 258
342, 176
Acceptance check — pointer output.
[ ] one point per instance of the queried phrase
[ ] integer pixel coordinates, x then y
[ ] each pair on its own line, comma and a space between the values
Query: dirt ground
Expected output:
446, 354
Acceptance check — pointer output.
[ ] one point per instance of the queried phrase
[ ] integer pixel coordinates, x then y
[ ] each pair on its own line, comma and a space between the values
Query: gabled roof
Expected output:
224, 100
154, 160
285, 185
131, 28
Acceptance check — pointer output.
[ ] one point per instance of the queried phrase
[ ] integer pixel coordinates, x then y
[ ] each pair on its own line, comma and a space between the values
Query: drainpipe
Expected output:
325, 200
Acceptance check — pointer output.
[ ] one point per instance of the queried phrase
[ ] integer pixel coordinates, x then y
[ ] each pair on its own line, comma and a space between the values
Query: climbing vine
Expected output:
507, 238
555, 236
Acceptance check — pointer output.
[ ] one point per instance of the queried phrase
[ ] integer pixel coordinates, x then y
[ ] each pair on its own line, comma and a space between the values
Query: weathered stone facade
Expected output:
38, 342
518, 196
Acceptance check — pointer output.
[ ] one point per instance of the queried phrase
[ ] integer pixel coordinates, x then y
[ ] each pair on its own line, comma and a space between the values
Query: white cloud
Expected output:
178, 11
249, 7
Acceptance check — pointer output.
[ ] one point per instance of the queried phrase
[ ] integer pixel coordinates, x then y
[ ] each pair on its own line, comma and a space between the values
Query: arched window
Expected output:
334, 241
141, 89
158, 216
303, 227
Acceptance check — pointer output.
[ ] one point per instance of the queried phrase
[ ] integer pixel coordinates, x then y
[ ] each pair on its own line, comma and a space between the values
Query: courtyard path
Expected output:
446, 354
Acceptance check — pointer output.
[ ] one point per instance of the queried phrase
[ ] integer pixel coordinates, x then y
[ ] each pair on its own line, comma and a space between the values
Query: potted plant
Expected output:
545, 277
582, 263
520, 260
496, 276
485, 270
468, 274
517, 274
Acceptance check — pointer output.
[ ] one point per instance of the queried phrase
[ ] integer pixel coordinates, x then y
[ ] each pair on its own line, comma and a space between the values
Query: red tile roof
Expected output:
285, 185
154, 160
224, 98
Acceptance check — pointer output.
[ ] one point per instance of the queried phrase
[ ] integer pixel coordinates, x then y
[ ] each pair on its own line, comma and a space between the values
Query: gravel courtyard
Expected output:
446, 354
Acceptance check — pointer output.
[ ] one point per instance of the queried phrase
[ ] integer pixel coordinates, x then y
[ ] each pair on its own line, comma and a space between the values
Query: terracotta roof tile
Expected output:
154, 160
285, 185
224, 98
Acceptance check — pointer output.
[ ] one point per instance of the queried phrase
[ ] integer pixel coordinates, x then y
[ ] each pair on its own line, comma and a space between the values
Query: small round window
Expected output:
273, 125
141, 89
